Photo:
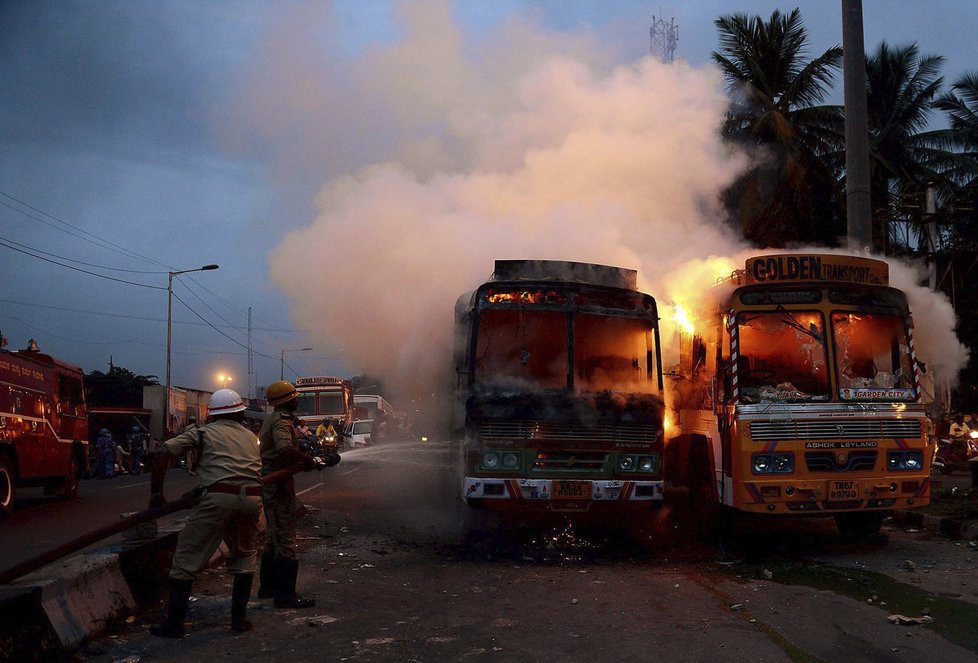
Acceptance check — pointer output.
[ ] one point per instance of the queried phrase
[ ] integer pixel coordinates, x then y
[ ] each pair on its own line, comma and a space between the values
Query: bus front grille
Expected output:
587, 461
826, 461
559, 432
866, 429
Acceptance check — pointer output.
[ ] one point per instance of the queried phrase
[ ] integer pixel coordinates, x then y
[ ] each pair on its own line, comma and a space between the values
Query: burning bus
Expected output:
800, 394
43, 425
558, 405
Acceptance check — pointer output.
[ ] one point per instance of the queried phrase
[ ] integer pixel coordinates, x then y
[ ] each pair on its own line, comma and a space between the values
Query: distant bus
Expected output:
43, 425
371, 404
325, 398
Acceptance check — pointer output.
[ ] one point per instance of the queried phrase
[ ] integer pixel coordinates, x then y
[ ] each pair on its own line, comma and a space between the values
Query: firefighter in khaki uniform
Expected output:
227, 507
279, 566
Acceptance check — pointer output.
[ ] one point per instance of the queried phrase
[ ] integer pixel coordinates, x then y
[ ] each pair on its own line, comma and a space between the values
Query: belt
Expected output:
233, 489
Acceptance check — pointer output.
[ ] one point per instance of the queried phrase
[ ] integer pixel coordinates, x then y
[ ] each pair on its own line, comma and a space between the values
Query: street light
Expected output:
281, 373
224, 379
169, 330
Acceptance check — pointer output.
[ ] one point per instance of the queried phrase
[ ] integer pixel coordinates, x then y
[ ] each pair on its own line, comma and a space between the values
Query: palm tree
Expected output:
901, 88
792, 194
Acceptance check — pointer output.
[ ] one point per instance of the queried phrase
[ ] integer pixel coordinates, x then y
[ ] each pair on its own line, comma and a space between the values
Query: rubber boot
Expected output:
285, 596
240, 594
267, 575
177, 612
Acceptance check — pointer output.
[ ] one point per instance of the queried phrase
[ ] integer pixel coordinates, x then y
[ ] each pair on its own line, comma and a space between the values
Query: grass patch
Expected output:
946, 504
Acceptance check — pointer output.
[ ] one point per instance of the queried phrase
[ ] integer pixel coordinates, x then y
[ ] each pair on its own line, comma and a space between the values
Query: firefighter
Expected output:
279, 565
227, 507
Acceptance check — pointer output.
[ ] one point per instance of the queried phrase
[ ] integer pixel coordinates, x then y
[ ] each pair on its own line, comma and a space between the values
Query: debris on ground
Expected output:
903, 620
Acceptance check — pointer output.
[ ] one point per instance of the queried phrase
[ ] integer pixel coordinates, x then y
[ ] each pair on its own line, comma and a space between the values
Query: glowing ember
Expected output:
681, 318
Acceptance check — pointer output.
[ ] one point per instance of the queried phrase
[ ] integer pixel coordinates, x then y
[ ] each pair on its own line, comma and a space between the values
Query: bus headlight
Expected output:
631, 463
773, 463
490, 460
904, 460
511, 461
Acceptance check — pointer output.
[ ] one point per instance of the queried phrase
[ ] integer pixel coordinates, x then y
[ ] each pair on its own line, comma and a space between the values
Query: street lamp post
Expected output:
281, 374
169, 331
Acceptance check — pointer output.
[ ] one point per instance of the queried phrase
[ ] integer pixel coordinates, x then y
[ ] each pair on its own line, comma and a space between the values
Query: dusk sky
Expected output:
354, 166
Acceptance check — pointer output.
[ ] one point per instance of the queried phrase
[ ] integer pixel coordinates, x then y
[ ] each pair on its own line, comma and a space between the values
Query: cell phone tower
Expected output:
664, 38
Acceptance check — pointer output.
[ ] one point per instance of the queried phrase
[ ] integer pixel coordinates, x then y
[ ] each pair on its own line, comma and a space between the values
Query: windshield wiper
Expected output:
792, 322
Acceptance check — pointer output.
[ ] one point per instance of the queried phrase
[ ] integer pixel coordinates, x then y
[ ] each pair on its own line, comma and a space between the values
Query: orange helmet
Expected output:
280, 392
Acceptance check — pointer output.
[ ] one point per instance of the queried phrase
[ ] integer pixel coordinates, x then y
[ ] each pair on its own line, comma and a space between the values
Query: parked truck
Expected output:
43, 425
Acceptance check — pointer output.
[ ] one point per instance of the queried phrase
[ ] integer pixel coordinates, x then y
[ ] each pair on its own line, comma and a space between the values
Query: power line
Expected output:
79, 262
236, 342
80, 234
132, 317
83, 271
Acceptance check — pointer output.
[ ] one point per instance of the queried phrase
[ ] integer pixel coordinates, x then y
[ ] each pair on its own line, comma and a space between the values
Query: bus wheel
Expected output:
859, 523
7, 490
68, 488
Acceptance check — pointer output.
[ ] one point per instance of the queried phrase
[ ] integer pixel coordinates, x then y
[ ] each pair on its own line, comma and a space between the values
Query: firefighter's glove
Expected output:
332, 459
156, 501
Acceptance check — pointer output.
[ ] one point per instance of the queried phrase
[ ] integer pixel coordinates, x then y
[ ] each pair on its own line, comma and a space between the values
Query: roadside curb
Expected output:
46, 614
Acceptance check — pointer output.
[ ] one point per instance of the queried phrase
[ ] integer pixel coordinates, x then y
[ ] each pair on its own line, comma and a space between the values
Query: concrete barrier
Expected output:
45, 615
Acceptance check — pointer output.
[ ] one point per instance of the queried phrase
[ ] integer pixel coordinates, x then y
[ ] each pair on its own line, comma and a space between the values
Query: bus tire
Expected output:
8, 490
856, 524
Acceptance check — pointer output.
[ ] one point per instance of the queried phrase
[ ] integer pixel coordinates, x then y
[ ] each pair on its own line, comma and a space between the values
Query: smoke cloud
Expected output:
525, 146
438, 152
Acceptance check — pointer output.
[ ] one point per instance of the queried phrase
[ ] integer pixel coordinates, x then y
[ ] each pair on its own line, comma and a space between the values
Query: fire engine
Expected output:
799, 394
558, 409
43, 425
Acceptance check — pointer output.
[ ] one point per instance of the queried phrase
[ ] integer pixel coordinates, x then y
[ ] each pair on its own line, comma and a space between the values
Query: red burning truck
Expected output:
43, 425
559, 397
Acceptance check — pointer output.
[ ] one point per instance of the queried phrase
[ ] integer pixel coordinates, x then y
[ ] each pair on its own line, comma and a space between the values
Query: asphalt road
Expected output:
398, 578
40, 523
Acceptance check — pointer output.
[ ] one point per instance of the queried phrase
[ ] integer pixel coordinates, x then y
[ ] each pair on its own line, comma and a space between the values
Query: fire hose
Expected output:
138, 518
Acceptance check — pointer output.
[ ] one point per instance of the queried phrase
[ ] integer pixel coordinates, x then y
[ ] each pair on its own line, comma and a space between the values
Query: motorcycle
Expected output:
951, 456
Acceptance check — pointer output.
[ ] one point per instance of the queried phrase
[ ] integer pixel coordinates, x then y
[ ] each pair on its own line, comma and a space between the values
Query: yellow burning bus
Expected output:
800, 394
559, 392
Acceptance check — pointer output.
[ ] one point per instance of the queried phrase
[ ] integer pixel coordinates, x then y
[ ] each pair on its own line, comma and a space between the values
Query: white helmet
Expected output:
226, 401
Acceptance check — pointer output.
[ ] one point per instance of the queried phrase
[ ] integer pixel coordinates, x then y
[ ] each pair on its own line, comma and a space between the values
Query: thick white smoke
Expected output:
440, 153
535, 153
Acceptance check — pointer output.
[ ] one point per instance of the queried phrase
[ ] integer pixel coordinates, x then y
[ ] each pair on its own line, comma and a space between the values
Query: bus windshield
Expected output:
307, 403
613, 354
873, 356
782, 357
522, 351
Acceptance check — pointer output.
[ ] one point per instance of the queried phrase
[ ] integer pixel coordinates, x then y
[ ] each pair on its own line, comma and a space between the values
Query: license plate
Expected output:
571, 490
843, 491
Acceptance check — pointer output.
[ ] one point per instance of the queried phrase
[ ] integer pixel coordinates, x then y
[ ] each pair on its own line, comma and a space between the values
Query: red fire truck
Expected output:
43, 425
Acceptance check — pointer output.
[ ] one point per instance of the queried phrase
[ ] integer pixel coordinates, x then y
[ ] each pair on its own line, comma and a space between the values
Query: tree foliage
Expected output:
791, 195
117, 387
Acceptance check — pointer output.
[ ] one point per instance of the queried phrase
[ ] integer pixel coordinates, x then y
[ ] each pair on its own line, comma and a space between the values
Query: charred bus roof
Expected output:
560, 270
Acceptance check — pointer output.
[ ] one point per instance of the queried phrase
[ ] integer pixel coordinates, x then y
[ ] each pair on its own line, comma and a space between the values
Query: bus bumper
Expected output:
833, 496
542, 490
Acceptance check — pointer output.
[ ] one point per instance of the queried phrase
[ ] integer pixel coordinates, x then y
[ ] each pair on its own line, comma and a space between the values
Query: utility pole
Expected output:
251, 361
859, 211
